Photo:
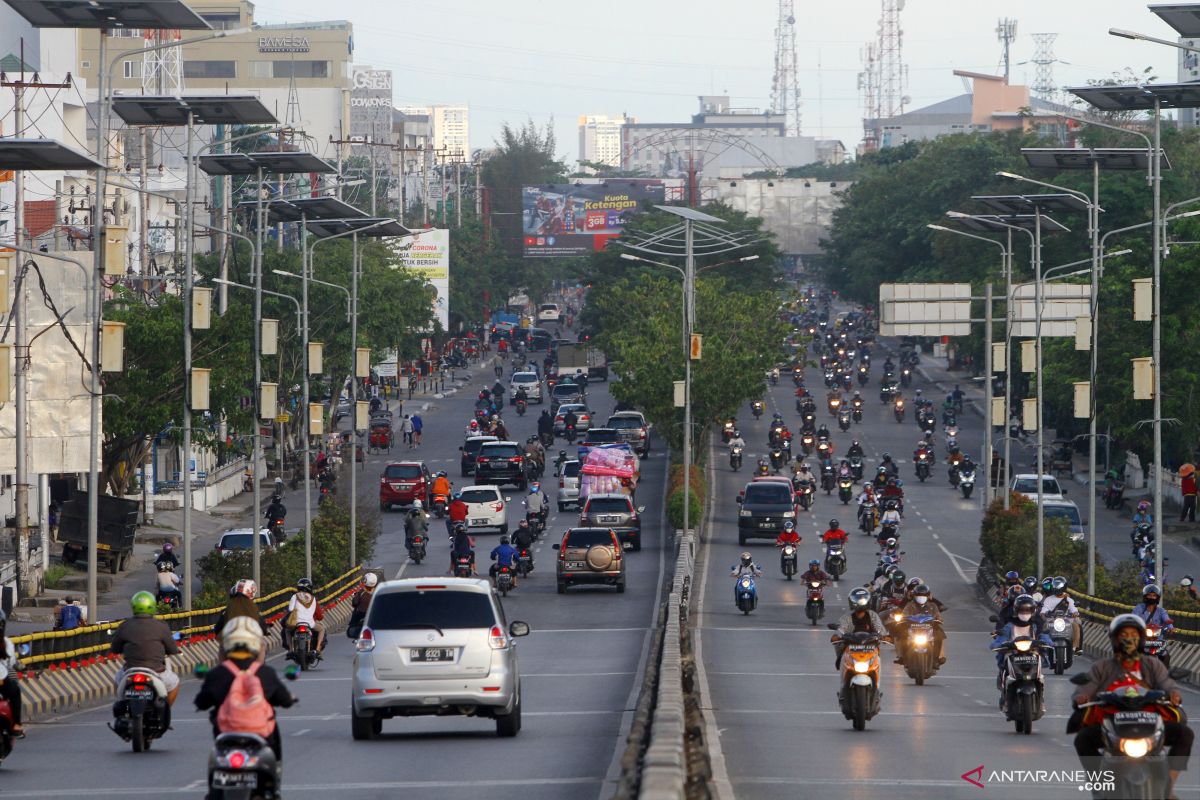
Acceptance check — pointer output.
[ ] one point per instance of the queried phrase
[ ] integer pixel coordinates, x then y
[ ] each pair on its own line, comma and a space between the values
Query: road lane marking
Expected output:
335, 789
301, 732
899, 677
345, 678
954, 561
909, 714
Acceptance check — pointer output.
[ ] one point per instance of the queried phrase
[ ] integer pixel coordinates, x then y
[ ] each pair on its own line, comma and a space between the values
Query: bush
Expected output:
1008, 538
675, 496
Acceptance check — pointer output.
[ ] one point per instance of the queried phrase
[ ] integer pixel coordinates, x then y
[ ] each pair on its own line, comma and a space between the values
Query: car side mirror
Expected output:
508, 499
641, 509
555, 546
518, 628
1064, 491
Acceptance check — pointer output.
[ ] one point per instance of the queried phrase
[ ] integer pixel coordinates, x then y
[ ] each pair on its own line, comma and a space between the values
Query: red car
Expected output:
403, 482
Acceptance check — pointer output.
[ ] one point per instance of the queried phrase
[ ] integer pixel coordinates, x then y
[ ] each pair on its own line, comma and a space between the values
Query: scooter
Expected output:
462, 566
845, 489
7, 737
898, 409
735, 458
303, 650
757, 408
727, 432
922, 465
242, 766
439, 506
777, 459
745, 594
806, 494
788, 560
835, 560
141, 713
856, 467
966, 482
504, 580
521, 408
1022, 688
859, 695
814, 607
416, 549
1058, 627
844, 420
920, 660
1156, 645
856, 412
524, 562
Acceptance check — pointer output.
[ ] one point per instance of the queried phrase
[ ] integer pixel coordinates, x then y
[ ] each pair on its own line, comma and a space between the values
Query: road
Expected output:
580, 670
768, 680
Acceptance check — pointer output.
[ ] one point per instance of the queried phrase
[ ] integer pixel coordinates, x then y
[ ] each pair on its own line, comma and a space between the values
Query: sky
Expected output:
540, 60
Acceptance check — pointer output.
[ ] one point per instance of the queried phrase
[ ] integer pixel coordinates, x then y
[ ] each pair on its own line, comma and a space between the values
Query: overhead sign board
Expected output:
1063, 304
925, 309
579, 219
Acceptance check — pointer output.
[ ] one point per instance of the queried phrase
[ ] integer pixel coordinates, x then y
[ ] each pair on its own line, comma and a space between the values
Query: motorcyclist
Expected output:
1059, 600
537, 502
167, 556
497, 428
415, 522
242, 642
570, 421
1126, 669
835, 534
893, 492
10, 690
1024, 623
276, 510
456, 514
1011, 578
788, 535
886, 463
168, 583
860, 618
922, 450
498, 391
545, 424
737, 440
146, 642
362, 599
822, 433
1005, 614
745, 566
921, 602
535, 452
462, 545
843, 469
308, 610
815, 573
505, 555
521, 395
1151, 612
441, 486
890, 516
559, 460
523, 536
855, 450
1142, 516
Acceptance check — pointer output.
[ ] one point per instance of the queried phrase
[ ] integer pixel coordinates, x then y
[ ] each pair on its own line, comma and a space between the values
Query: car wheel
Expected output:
384, 507
510, 724
522, 484
504, 529
361, 728
741, 540
621, 586
637, 544
561, 508
562, 587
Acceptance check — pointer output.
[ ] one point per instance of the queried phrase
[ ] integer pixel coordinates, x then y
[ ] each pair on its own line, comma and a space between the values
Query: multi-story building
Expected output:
600, 139
413, 133
451, 128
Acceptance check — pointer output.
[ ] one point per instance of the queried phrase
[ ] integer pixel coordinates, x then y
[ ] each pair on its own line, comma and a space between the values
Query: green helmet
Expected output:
143, 603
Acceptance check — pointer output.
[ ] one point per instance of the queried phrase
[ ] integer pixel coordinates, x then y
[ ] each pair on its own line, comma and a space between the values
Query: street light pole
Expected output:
1156, 343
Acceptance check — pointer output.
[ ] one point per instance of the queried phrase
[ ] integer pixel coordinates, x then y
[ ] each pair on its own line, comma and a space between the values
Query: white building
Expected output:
451, 129
600, 139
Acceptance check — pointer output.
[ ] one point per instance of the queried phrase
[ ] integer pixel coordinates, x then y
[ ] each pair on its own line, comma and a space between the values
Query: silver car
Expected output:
435, 647
568, 484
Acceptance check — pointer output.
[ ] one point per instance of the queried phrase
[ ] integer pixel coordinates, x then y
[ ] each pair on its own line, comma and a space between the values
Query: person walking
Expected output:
1187, 488
406, 430
417, 425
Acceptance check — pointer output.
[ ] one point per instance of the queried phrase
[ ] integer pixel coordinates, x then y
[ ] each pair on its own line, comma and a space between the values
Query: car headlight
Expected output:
1135, 748
862, 666
920, 638
1060, 625
789, 514
745, 513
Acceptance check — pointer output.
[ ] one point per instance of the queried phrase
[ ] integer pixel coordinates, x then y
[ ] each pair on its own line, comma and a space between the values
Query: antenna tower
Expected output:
1006, 34
868, 89
892, 73
162, 71
785, 86
1043, 58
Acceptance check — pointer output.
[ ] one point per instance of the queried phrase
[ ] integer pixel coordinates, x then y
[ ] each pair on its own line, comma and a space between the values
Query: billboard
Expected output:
577, 219
427, 253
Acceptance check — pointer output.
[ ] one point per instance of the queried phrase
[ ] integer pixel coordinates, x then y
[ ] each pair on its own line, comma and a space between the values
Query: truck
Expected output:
576, 357
115, 529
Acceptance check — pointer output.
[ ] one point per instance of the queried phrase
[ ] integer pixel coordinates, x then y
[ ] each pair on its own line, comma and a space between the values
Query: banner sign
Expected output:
575, 220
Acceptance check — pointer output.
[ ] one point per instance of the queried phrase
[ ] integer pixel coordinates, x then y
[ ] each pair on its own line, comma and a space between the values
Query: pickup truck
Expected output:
581, 357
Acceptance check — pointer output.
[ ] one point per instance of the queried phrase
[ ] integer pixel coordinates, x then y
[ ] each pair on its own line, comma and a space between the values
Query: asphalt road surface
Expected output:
768, 679
580, 670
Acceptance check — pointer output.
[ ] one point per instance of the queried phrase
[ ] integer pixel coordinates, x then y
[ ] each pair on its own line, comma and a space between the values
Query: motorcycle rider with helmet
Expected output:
1128, 668
1024, 623
167, 556
505, 555
815, 573
1059, 599
894, 591
462, 545
788, 535
307, 610
855, 449
10, 690
146, 642
921, 601
362, 599
860, 618
1150, 612
415, 522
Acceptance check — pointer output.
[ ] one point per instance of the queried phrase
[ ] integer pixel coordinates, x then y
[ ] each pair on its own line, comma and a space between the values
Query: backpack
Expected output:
70, 615
245, 709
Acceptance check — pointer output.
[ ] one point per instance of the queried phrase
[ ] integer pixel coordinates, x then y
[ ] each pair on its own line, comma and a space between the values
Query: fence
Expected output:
55, 649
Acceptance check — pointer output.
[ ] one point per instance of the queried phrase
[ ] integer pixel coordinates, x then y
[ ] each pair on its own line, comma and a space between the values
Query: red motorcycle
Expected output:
814, 609
462, 566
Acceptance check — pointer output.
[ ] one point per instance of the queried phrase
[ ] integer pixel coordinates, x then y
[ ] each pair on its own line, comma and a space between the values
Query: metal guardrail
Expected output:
66, 648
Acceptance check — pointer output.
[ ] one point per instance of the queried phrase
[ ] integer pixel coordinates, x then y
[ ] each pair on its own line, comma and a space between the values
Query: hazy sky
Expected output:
534, 59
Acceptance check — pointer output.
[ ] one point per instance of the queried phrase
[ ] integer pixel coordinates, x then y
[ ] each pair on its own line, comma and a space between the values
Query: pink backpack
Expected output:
245, 709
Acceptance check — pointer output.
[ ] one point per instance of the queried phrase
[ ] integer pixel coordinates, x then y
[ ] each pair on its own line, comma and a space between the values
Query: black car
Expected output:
564, 393
500, 463
470, 451
766, 503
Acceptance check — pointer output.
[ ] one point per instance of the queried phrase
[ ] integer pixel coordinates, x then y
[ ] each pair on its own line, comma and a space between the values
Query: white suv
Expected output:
532, 385
549, 312
1027, 484
435, 647
486, 508
568, 484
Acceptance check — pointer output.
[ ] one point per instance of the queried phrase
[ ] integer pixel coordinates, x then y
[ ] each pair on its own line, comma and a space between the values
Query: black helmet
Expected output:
1031, 584
523, 523
898, 578
887, 456
860, 599
1014, 591
304, 585
503, 540
1059, 584
747, 559
833, 524
1024, 603
922, 590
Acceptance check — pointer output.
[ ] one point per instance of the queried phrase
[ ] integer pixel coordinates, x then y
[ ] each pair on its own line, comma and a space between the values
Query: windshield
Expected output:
548, 307
473, 445
240, 541
1029, 486
480, 496
571, 469
566, 390
577, 408
603, 436
624, 423
439, 608
761, 493
608, 505
588, 538
524, 377
1071, 515
406, 472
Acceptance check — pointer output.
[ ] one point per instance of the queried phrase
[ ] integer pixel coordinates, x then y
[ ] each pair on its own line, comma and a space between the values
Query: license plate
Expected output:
479, 522
139, 694
1136, 717
606, 518
428, 654
223, 778
1027, 658
575, 565
767, 525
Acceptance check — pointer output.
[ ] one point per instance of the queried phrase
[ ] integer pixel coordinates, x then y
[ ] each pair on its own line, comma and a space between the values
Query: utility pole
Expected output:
458, 191
27, 583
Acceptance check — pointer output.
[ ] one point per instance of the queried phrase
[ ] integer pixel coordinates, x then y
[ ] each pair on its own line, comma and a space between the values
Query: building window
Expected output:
301, 69
132, 69
223, 21
210, 69
260, 69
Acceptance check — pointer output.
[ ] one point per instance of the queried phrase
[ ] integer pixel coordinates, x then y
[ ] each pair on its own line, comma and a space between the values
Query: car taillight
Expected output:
366, 641
515, 460
498, 507
560, 483
497, 639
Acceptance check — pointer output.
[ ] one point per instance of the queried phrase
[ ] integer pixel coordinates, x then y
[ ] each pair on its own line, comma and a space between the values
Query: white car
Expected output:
532, 385
549, 312
486, 508
243, 539
568, 484
1027, 484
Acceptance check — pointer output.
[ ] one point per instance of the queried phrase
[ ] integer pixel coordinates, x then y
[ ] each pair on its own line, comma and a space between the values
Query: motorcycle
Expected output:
966, 482
864, 375
797, 376
547, 439
835, 559
844, 420
417, 548
773, 377
856, 411
788, 560
1059, 628
777, 459
856, 467
524, 562
827, 480
141, 713
735, 459
1142, 536
727, 432
1133, 741
845, 489
462, 566
569, 434
304, 647
868, 518
806, 443
898, 410
814, 607
439, 506
757, 408
906, 377
835, 405
920, 658
763, 469
922, 465
805, 494
1114, 495
520, 408
927, 422
1022, 688
1156, 645
504, 580
746, 594
859, 694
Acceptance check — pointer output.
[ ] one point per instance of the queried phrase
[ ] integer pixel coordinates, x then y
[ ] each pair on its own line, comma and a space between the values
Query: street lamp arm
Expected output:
295, 302
181, 43
960, 215
632, 257
944, 229
342, 289
1014, 176
1142, 37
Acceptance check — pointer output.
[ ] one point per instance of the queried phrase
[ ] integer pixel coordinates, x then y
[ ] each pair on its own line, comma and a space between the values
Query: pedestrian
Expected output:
417, 424
1187, 488
406, 430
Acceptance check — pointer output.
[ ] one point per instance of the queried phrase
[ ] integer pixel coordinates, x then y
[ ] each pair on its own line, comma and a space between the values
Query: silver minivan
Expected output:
568, 484
435, 647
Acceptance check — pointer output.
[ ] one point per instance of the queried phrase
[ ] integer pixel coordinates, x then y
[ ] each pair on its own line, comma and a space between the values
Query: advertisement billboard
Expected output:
577, 219
427, 253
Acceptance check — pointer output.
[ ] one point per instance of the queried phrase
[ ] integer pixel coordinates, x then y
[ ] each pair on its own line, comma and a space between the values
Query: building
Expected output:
302, 72
720, 141
991, 105
600, 139
413, 135
1189, 72
799, 211
371, 124
451, 127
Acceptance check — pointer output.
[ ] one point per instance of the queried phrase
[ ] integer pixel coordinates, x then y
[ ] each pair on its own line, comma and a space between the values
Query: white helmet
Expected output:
242, 634
370, 580
245, 586
417, 504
